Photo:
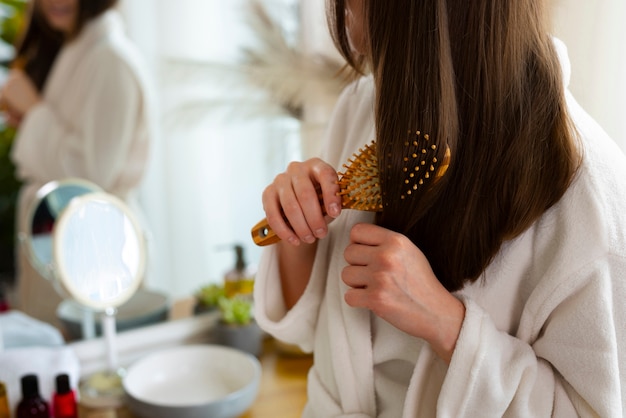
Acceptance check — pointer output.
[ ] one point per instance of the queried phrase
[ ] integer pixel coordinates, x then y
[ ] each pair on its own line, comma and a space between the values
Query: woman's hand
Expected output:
12, 119
19, 94
292, 205
391, 277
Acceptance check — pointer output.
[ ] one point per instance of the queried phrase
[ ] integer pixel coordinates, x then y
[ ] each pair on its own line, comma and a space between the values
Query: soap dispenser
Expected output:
239, 280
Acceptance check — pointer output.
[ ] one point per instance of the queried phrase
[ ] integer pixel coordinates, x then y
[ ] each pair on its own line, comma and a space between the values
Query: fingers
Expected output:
368, 234
292, 202
326, 176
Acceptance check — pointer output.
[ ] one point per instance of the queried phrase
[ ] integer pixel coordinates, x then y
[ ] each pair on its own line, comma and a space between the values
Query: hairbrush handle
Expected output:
262, 234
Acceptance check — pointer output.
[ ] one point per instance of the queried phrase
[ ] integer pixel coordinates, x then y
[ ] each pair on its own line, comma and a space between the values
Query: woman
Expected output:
493, 290
79, 99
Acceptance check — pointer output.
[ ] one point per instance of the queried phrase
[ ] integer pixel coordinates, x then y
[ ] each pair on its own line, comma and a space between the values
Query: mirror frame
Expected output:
47, 270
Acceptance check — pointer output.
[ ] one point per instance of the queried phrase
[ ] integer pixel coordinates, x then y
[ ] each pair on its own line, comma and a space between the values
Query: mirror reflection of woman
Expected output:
79, 98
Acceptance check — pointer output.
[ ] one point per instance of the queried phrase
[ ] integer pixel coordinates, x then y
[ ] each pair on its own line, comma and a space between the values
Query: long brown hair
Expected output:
40, 44
481, 78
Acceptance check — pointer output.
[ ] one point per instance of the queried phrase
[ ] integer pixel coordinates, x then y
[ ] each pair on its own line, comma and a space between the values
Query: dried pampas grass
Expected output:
289, 76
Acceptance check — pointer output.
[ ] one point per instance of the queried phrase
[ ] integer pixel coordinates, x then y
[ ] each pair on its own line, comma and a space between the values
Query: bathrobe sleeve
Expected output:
297, 325
563, 373
96, 140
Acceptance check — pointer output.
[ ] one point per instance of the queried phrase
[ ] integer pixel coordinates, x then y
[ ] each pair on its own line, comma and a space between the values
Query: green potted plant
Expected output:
236, 326
11, 20
208, 297
235, 311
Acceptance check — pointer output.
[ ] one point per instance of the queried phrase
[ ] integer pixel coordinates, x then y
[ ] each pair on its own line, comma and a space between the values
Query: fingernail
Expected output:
309, 239
293, 241
333, 209
320, 232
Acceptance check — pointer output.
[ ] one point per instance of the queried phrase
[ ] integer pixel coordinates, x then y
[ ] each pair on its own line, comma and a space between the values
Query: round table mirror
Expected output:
99, 260
49, 203
99, 252
90, 246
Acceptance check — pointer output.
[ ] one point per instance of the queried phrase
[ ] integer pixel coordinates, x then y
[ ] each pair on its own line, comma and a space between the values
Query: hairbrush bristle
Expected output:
359, 183
417, 177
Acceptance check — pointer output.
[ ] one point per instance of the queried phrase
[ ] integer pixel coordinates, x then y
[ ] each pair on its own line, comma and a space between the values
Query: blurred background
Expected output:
245, 87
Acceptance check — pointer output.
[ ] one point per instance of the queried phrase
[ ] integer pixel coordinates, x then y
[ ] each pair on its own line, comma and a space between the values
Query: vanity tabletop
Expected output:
282, 392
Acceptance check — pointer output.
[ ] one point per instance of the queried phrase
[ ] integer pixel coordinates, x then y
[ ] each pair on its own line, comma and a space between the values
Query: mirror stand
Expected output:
88, 323
104, 388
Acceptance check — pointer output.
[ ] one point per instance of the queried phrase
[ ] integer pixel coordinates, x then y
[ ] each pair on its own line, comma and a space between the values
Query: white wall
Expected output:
595, 34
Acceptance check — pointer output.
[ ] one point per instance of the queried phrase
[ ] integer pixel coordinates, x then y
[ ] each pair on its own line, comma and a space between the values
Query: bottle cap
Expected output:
30, 386
63, 383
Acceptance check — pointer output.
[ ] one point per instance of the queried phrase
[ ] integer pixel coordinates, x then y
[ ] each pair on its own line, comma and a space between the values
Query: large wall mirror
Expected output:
223, 136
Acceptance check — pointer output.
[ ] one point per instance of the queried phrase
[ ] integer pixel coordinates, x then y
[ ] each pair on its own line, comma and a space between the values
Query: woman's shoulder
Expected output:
595, 203
352, 123
104, 43
358, 95
115, 55
603, 166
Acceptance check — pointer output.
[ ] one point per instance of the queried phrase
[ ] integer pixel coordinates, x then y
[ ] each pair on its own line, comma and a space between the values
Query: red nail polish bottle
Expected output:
64, 398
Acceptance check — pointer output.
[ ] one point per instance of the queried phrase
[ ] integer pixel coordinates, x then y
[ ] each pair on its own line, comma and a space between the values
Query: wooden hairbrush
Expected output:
359, 188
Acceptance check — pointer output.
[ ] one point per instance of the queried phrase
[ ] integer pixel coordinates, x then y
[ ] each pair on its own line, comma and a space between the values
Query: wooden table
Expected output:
282, 391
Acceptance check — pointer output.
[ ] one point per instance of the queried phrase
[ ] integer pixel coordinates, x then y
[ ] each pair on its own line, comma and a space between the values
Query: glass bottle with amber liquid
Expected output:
4, 402
240, 280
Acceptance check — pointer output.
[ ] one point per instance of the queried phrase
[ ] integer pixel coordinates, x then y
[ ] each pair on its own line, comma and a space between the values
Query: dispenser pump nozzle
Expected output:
240, 263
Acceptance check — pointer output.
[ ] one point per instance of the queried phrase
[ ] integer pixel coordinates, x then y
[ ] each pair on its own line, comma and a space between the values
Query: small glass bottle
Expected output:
4, 402
239, 280
32, 404
64, 398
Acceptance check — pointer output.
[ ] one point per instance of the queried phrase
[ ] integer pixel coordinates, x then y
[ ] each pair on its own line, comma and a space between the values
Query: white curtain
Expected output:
213, 159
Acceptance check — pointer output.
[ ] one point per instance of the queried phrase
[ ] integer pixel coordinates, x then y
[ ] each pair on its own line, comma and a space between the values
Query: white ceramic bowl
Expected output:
193, 381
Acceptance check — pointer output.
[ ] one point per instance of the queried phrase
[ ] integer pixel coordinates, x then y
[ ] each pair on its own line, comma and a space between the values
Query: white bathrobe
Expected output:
545, 327
95, 122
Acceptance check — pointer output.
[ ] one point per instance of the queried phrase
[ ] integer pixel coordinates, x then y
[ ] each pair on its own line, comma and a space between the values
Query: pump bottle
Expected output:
239, 280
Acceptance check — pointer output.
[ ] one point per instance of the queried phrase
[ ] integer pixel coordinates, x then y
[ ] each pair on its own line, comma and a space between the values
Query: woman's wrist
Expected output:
448, 329
295, 264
